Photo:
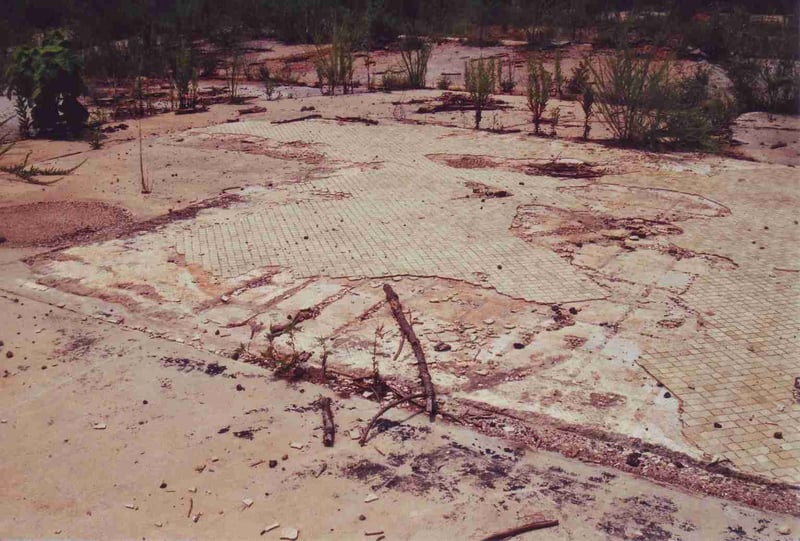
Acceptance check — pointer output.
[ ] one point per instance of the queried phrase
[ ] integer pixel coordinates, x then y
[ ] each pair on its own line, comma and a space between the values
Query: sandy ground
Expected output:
114, 434
127, 307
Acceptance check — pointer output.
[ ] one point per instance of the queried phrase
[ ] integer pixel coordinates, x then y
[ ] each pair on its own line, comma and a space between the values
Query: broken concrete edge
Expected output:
597, 446
129, 229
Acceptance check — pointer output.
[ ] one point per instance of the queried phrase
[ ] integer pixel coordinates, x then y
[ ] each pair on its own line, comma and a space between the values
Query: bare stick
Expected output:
191, 506
538, 525
328, 426
416, 346
363, 440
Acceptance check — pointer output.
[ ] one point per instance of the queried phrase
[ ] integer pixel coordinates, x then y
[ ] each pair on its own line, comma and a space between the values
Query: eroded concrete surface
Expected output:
656, 300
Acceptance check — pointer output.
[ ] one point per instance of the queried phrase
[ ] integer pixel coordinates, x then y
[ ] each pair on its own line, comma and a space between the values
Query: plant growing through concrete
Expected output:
233, 74
555, 116
415, 53
334, 65
586, 100
506, 78
480, 77
537, 91
558, 77
184, 77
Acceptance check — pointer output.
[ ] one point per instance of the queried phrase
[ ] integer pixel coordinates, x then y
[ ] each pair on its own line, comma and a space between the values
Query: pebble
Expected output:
784, 530
370, 498
289, 533
509, 326
99, 426
488, 321
131, 506
225, 298
295, 445
397, 278
247, 502
158, 524
9, 354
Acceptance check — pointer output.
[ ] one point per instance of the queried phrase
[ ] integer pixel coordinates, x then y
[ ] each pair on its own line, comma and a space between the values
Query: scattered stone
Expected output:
193, 490
9, 354
239, 387
131, 506
273, 463
362, 518
370, 498
295, 445
158, 524
196, 517
778, 435
99, 426
488, 321
162, 485
225, 298
668, 395
717, 425
509, 326
633, 459
289, 533
270, 528
784, 529
248, 502
441, 346
519, 345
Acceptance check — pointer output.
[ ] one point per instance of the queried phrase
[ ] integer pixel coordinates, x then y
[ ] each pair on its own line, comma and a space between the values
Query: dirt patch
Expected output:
562, 168
58, 222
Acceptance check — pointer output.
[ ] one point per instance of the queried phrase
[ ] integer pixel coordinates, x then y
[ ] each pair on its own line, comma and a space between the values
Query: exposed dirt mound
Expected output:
54, 223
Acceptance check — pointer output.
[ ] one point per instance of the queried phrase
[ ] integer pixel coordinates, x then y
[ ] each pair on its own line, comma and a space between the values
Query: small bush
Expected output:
394, 79
766, 85
555, 116
480, 81
644, 106
537, 91
579, 79
184, 77
443, 82
233, 74
415, 54
506, 78
558, 76
335, 66
267, 80
586, 99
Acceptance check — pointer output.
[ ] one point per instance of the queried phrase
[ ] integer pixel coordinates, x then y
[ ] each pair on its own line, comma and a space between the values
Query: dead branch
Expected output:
416, 346
298, 119
363, 440
513, 532
302, 315
362, 120
328, 426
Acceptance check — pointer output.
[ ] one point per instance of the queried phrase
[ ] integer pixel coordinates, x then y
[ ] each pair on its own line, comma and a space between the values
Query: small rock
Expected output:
131, 506
193, 490
273, 463
518, 345
717, 425
99, 426
667, 395
573, 310
289, 533
158, 524
784, 529
362, 517
509, 326
441, 346
225, 298
9, 354
295, 445
248, 502
239, 387
778, 435
370, 498
633, 459
270, 528
196, 517
162, 485
488, 321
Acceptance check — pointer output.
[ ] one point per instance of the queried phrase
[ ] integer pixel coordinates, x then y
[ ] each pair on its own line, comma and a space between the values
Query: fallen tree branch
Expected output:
416, 346
298, 119
328, 426
538, 525
302, 315
363, 440
362, 120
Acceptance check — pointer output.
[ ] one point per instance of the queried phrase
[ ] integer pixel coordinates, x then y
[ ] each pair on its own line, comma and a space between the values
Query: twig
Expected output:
191, 506
363, 440
328, 426
513, 532
416, 346
298, 119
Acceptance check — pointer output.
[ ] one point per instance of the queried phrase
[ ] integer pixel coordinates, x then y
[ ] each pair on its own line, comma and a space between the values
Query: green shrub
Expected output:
766, 85
184, 77
415, 54
47, 78
506, 78
586, 99
394, 79
644, 106
579, 79
480, 81
334, 65
443, 82
537, 91
233, 74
